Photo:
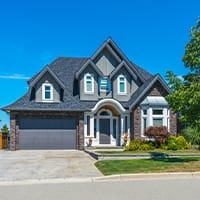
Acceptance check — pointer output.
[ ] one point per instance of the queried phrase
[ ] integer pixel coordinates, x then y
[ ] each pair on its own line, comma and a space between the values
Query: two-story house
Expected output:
75, 101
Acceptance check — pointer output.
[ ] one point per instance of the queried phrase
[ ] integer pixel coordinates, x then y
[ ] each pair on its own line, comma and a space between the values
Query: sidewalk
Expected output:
117, 178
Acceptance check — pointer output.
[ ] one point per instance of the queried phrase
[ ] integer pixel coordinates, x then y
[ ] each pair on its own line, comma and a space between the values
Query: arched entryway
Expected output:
106, 124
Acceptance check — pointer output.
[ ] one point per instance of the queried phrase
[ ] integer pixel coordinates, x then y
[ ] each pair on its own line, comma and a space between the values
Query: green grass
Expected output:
181, 164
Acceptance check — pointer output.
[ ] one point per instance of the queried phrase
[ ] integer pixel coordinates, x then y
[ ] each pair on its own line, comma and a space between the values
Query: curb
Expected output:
121, 177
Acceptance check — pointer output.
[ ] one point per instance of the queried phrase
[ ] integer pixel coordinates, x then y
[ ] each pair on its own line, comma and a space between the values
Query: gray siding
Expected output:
84, 96
47, 78
131, 85
106, 62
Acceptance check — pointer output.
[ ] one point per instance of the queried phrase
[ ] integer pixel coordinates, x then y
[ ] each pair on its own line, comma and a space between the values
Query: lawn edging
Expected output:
120, 156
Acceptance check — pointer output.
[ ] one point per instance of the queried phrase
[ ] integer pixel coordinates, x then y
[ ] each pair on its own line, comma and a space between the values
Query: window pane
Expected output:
89, 86
88, 125
47, 88
47, 95
104, 84
105, 113
114, 128
121, 87
144, 123
158, 122
157, 112
144, 112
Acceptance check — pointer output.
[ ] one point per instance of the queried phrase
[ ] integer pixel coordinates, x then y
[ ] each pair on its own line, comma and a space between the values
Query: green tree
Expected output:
185, 95
4, 129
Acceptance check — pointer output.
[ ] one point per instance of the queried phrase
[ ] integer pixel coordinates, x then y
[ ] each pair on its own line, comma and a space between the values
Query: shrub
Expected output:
177, 143
181, 142
171, 143
192, 135
136, 145
158, 134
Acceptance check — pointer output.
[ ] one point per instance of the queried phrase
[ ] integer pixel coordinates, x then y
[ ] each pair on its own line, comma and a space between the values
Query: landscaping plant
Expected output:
158, 134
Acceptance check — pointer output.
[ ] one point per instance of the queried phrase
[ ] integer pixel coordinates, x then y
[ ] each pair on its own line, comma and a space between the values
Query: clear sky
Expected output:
152, 33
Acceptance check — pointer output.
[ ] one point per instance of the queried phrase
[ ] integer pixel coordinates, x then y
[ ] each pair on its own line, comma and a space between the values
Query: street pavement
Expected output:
141, 189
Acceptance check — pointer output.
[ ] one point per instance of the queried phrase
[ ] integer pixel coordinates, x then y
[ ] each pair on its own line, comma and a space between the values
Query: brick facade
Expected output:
156, 90
14, 124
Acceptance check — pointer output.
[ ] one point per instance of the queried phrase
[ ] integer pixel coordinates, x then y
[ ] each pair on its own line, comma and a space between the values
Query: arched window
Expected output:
105, 112
88, 83
121, 83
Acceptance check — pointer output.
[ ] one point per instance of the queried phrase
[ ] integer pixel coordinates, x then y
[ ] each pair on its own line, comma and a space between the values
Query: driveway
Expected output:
46, 164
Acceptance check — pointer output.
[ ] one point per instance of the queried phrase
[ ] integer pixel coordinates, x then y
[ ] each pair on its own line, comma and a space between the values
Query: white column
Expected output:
128, 126
122, 128
149, 117
165, 114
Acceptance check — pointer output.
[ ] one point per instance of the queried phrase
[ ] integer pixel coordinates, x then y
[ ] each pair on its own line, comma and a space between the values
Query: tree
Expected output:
4, 129
185, 95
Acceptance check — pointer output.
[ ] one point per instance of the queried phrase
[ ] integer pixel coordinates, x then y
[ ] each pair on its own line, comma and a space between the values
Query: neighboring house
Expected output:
101, 98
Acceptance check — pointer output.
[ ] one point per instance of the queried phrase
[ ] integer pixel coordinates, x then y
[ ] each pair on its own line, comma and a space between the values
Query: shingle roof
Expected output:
65, 68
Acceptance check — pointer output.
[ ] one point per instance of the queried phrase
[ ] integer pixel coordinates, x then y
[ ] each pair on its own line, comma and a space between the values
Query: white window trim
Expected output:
150, 117
118, 85
85, 83
43, 92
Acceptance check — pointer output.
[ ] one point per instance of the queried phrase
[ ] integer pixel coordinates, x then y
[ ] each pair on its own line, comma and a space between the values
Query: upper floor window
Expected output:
88, 83
121, 83
47, 92
104, 84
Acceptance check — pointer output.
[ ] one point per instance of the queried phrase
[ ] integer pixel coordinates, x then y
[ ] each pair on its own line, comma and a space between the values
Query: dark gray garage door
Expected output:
40, 133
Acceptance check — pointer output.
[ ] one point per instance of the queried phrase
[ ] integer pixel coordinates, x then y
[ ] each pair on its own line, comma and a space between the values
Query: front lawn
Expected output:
181, 164
148, 152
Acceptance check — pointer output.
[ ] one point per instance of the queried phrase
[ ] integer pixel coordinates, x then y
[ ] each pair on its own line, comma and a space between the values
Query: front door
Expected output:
104, 131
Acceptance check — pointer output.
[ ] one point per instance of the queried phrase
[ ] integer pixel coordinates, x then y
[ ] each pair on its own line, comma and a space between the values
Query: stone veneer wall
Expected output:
156, 90
14, 124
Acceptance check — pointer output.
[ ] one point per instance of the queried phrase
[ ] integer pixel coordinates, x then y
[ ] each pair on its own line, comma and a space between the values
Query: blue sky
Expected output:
152, 33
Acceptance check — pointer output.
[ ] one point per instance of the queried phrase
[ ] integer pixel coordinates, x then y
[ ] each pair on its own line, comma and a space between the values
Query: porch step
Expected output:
104, 148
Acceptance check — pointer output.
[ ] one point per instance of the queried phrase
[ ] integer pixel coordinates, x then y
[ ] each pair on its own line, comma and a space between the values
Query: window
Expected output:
158, 122
47, 92
157, 111
95, 128
121, 84
88, 125
144, 112
88, 83
114, 128
105, 113
143, 121
104, 84
154, 117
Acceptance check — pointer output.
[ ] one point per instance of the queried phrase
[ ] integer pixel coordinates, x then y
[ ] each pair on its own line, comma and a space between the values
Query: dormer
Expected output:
46, 87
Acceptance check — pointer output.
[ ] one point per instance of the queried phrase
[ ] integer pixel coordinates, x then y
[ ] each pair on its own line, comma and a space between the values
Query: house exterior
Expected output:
74, 102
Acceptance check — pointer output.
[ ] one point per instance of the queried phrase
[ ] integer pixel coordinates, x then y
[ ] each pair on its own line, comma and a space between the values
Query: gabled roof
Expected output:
141, 91
64, 70
105, 45
124, 57
91, 63
123, 64
33, 81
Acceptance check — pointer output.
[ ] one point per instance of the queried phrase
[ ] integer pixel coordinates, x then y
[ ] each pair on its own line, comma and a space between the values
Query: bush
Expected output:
192, 135
139, 145
158, 134
177, 143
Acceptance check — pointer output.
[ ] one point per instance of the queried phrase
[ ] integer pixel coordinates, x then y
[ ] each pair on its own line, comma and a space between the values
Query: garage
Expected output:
47, 133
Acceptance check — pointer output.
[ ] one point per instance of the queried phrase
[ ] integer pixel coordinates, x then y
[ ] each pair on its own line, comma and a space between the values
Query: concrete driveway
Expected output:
46, 164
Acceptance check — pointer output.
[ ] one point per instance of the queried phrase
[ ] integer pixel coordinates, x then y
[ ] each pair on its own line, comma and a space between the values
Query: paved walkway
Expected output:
46, 164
